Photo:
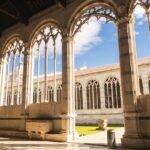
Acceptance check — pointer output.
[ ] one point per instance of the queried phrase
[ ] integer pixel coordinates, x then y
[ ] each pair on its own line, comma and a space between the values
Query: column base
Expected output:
136, 143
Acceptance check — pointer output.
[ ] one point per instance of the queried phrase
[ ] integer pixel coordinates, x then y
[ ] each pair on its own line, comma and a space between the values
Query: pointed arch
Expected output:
93, 95
112, 93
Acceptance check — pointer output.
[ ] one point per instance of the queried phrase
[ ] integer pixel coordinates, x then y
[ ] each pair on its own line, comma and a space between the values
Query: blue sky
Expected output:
97, 44
106, 51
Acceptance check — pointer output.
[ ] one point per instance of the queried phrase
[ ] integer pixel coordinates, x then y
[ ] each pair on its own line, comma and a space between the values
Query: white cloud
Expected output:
139, 14
84, 40
88, 37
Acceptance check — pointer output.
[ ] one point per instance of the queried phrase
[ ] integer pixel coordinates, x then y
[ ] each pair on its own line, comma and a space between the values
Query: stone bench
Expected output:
38, 127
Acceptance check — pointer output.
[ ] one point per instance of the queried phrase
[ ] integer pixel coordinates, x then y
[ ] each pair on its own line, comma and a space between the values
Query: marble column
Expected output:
129, 80
68, 86
26, 79
2, 79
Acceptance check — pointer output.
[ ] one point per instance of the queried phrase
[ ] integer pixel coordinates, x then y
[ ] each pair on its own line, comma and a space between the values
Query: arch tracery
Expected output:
47, 33
98, 11
14, 59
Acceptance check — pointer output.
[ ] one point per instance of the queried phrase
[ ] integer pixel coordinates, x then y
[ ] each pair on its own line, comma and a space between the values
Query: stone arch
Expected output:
10, 39
41, 25
13, 54
85, 6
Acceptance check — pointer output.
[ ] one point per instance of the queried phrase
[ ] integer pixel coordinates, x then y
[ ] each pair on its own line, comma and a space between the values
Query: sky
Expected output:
97, 44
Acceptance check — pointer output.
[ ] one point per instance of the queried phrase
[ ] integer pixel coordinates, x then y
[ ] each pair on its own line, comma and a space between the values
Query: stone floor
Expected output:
51, 146
90, 142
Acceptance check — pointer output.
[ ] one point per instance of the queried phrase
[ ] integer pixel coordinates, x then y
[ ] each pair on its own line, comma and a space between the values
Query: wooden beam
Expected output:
61, 3
9, 14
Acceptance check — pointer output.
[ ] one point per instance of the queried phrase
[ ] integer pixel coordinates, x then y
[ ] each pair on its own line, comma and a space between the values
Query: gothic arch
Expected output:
13, 54
9, 40
86, 10
40, 26
78, 96
93, 95
112, 93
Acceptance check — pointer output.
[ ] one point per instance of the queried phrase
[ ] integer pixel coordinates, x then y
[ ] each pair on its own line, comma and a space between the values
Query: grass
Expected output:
86, 130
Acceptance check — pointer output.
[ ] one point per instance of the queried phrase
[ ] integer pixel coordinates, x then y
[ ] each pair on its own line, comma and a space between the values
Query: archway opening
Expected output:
142, 39
97, 73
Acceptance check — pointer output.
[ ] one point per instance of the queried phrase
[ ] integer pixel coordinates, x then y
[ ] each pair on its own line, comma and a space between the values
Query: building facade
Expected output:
97, 92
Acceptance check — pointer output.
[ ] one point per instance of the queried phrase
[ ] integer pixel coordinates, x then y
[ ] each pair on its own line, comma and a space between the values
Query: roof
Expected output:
15, 11
98, 69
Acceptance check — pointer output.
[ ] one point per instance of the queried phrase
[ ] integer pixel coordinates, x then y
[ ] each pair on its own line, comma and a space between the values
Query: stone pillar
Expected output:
68, 87
129, 80
2, 79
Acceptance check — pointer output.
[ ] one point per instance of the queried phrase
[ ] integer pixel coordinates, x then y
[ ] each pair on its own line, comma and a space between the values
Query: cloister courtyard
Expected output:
69, 68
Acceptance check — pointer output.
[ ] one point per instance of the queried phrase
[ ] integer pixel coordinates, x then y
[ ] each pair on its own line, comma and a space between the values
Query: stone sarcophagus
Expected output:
38, 128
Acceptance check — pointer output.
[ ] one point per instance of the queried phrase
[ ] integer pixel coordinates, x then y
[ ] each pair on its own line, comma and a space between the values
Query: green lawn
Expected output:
85, 130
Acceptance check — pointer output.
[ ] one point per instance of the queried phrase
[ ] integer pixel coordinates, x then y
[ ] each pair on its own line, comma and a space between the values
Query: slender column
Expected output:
7, 80
68, 85
3, 71
26, 79
46, 72
12, 82
38, 71
18, 84
55, 92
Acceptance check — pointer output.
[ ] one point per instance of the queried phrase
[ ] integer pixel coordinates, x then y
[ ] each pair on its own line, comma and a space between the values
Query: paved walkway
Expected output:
101, 138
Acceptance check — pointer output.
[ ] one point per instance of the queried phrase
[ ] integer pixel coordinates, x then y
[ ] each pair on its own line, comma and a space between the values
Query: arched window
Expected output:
59, 93
93, 95
46, 43
14, 56
50, 94
112, 93
36, 97
78, 96
141, 85
9, 98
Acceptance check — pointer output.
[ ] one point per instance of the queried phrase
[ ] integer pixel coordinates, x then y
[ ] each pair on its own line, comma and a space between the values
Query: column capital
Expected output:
125, 19
66, 38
